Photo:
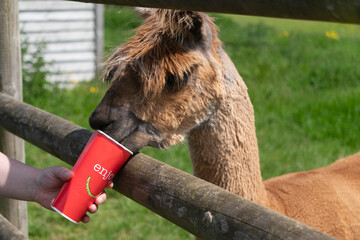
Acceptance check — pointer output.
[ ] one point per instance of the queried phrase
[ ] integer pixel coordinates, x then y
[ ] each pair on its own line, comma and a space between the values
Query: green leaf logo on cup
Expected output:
88, 188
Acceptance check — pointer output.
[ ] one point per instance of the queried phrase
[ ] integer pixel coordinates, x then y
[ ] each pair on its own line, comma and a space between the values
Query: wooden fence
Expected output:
195, 205
342, 11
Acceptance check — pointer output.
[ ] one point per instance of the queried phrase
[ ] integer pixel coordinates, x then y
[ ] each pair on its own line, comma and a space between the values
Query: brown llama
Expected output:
172, 80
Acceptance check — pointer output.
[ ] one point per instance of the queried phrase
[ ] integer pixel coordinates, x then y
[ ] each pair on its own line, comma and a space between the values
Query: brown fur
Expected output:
157, 51
172, 80
326, 198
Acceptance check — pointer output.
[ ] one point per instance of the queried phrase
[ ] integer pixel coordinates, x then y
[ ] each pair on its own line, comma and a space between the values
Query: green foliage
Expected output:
304, 82
119, 26
35, 72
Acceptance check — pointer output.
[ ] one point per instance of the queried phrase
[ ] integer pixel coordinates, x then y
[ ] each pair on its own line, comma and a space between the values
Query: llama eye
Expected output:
170, 79
175, 83
172, 82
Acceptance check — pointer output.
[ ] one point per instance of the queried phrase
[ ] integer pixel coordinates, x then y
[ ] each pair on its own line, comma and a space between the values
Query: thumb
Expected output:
63, 173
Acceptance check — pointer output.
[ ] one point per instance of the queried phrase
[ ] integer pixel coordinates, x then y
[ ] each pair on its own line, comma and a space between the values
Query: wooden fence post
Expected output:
11, 84
99, 35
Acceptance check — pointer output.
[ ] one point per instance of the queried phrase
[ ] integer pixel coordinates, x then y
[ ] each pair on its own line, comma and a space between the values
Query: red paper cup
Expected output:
100, 160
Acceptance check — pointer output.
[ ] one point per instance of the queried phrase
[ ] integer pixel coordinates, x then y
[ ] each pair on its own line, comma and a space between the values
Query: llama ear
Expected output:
195, 32
144, 12
180, 24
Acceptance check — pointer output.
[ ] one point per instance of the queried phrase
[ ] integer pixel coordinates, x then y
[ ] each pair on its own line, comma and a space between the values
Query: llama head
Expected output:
166, 80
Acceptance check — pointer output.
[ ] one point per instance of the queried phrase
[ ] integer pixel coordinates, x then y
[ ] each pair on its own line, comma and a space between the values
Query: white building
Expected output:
72, 33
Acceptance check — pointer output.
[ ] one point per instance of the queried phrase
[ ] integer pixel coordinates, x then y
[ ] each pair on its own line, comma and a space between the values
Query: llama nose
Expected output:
99, 121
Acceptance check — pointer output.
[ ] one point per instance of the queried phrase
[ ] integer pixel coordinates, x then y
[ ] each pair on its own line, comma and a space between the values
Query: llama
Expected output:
173, 80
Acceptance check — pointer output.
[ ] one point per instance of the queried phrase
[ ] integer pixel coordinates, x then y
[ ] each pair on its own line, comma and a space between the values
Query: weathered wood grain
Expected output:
9, 231
11, 83
343, 11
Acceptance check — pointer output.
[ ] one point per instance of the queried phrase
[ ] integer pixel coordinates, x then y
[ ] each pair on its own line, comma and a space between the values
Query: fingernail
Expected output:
68, 174
100, 200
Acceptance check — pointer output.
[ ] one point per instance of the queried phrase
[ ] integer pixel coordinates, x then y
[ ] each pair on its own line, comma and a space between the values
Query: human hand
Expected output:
49, 183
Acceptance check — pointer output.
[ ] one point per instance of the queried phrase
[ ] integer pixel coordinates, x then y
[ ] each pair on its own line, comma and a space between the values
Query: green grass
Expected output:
305, 88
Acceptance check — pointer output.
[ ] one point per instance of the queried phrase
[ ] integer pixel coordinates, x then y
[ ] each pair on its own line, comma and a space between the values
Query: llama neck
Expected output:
224, 149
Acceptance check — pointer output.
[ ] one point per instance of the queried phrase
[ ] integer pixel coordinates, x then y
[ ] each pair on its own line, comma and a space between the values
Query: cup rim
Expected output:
110, 138
62, 214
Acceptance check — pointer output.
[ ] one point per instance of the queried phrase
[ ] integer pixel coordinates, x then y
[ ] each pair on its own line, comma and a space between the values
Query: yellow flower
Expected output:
332, 34
76, 82
284, 34
93, 89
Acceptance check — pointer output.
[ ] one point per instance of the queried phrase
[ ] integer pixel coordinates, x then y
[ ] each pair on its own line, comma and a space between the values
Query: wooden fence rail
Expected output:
197, 206
343, 11
9, 231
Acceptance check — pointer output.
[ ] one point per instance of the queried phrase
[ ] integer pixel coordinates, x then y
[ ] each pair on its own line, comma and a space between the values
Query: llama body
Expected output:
326, 198
173, 80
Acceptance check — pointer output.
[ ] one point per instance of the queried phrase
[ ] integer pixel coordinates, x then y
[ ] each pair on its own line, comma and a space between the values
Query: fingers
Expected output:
93, 208
65, 175
85, 219
99, 200
110, 184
